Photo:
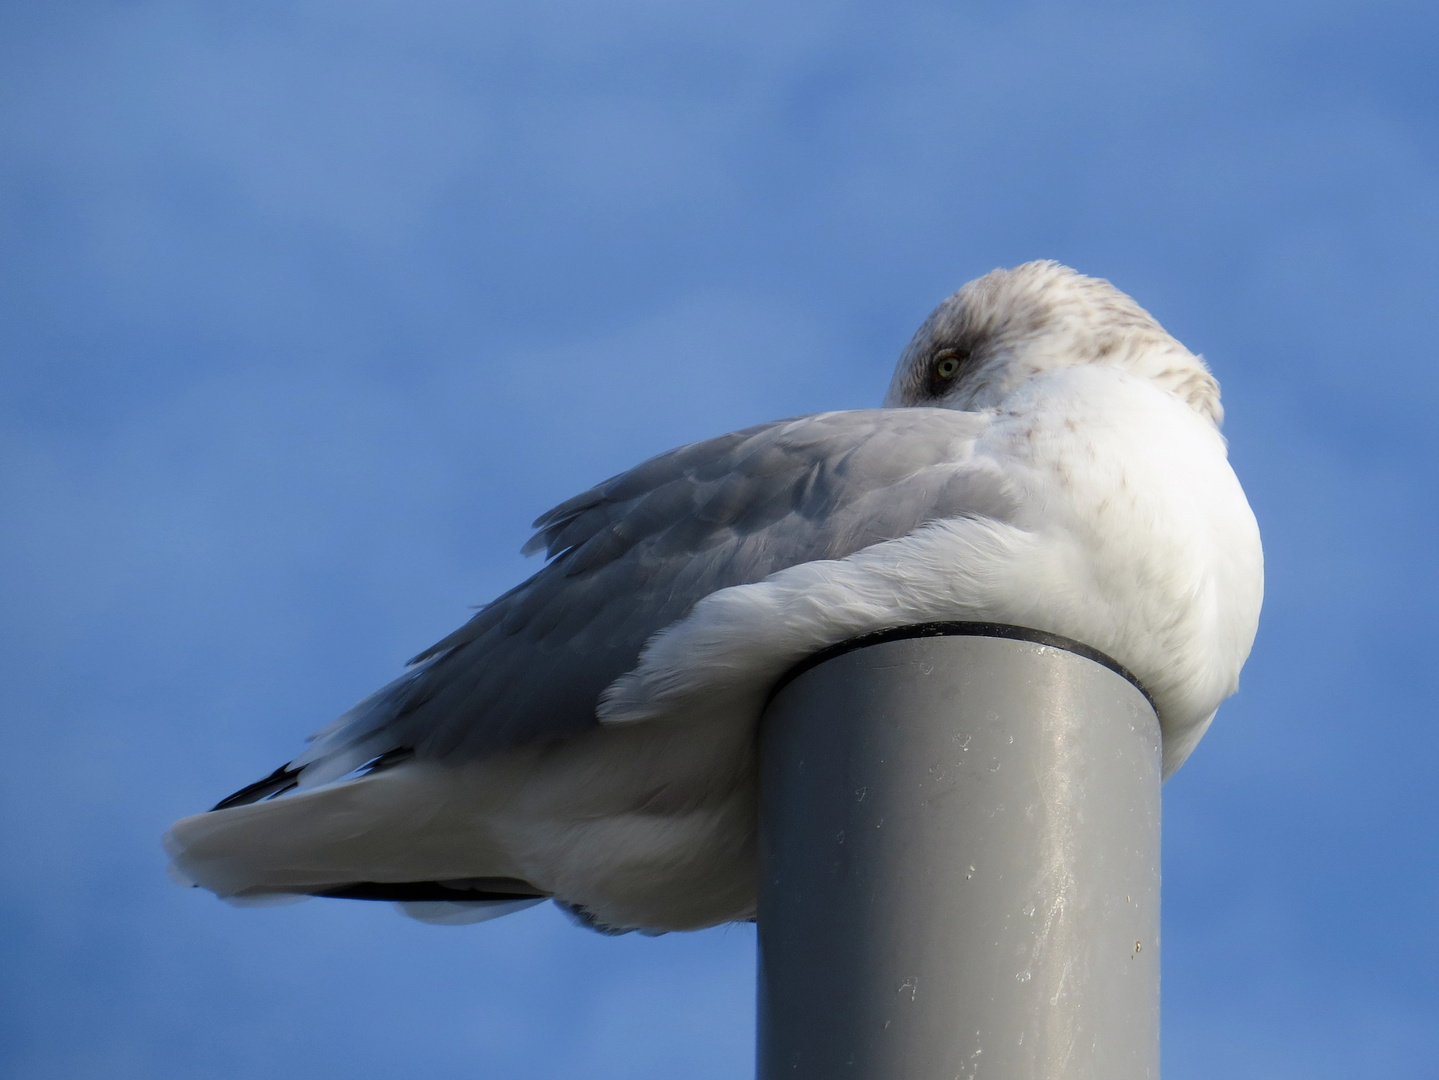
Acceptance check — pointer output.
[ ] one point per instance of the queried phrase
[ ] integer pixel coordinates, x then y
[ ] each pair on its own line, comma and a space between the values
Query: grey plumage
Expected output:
633, 555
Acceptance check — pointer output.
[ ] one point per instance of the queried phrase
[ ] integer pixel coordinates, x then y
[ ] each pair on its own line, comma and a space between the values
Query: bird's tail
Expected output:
417, 834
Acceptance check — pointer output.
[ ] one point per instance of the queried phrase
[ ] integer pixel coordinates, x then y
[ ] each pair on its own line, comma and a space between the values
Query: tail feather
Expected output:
412, 833
451, 913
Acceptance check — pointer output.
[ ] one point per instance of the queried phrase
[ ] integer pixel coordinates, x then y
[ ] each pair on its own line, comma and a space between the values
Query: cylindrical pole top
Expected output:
959, 854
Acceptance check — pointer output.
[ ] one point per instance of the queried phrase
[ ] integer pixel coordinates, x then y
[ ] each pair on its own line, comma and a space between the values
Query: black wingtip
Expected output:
281, 780
468, 890
286, 778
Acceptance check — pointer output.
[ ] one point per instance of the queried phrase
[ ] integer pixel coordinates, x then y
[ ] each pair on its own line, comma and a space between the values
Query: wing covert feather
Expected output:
636, 552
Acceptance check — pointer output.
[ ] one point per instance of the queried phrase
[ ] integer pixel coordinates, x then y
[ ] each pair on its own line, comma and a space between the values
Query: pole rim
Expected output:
961, 628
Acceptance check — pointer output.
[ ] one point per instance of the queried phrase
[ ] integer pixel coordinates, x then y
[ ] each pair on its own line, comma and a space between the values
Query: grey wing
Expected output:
635, 553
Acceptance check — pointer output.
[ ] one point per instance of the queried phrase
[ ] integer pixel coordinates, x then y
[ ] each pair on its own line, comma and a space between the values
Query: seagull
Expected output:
1046, 456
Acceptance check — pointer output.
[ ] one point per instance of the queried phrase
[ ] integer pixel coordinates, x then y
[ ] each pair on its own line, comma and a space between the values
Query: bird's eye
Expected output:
945, 367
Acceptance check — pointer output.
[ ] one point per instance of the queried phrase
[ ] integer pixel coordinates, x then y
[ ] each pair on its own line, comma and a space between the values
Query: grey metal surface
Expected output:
959, 858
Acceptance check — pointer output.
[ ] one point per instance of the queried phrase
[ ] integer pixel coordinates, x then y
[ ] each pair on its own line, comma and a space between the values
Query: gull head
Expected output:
1001, 330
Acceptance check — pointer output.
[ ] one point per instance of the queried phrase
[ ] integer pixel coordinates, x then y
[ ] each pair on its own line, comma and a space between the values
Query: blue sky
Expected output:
307, 309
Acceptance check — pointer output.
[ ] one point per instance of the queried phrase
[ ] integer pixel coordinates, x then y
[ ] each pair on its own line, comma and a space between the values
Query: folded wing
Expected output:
633, 555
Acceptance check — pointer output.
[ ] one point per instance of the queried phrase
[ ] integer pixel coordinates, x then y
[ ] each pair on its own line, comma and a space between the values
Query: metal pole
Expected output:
959, 859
